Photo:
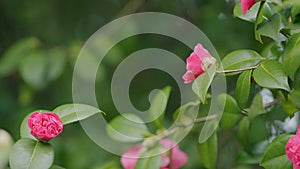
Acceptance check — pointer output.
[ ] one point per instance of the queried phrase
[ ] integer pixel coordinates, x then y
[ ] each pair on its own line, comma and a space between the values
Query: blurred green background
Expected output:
39, 44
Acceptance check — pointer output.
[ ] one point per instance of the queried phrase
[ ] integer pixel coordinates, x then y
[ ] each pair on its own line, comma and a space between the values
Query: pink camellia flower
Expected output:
197, 63
246, 5
178, 158
45, 126
292, 149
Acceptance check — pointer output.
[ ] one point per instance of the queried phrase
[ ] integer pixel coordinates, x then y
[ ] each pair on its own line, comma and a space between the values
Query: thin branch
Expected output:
237, 70
178, 127
277, 100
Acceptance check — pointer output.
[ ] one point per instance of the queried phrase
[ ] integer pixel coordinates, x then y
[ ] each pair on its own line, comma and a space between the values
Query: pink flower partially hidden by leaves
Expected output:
292, 149
246, 5
197, 63
178, 157
45, 126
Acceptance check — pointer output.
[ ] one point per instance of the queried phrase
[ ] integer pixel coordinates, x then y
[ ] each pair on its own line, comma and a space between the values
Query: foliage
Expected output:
258, 111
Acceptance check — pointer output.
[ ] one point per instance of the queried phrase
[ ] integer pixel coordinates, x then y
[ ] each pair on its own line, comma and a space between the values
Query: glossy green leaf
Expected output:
257, 107
242, 90
24, 128
208, 152
240, 59
243, 133
275, 156
202, 83
250, 15
271, 28
291, 55
232, 112
70, 113
6, 143
31, 154
158, 106
151, 159
15, 54
127, 128
271, 75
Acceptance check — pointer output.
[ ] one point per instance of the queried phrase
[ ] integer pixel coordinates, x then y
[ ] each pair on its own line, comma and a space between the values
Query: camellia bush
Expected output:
265, 99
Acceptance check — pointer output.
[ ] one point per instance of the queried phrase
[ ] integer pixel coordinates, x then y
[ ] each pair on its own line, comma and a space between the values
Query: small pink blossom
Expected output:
178, 157
292, 149
197, 63
45, 126
246, 5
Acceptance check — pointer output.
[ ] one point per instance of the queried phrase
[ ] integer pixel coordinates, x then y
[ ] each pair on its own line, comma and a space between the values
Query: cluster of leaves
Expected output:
267, 91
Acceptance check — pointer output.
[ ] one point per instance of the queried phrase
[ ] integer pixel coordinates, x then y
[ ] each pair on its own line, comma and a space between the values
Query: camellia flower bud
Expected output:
197, 63
292, 149
176, 159
45, 126
246, 5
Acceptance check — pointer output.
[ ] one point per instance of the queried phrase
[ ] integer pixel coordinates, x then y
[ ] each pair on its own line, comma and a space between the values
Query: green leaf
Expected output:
272, 51
243, 133
109, 165
24, 128
257, 107
287, 105
259, 19
275, 156
246, 158
208, 152
158, 106
127, 128
56, 167
70, 113
41, 67
240, 59
291, 55
271, 28
33, 69
151, 159
271, 75
295, 97
31, 154
242, 90
250, 15
232, 112
201, 84
14, 55
6, 143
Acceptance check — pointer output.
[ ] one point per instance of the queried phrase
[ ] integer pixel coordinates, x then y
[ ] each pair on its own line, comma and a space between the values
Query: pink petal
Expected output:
194, 64
188, 77
293, 149
179, 158
296, 166
298, 131
129, 159
165, 161
246, 5
201, 51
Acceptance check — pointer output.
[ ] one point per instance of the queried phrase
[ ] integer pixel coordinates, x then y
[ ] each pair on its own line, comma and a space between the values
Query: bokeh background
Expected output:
39, 44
